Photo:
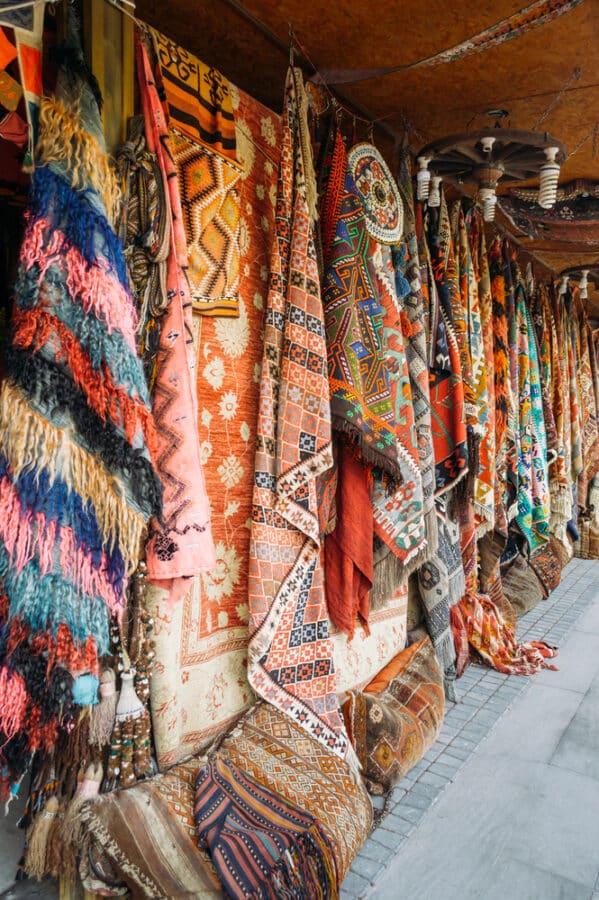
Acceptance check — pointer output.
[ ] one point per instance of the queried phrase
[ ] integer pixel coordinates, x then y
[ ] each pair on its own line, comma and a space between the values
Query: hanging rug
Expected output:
378, 192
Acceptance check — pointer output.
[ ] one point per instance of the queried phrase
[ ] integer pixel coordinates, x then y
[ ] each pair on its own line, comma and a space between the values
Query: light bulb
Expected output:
583, 284
434, 197
488, 198
563, 286
549, 176
423, 178
487, 143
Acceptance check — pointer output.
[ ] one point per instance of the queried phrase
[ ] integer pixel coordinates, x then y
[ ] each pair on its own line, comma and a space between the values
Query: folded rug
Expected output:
262, 846
272, 749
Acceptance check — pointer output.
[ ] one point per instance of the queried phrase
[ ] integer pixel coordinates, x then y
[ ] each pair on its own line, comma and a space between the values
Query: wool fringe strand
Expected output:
63, 142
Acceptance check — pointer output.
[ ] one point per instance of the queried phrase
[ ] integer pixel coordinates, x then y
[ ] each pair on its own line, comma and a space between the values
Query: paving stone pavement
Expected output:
528, 871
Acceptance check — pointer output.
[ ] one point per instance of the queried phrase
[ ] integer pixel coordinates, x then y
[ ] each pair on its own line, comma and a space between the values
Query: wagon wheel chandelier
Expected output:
487, 158
583, 274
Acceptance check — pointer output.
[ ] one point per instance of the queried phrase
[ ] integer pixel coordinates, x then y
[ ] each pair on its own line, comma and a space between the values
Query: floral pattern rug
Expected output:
200, 682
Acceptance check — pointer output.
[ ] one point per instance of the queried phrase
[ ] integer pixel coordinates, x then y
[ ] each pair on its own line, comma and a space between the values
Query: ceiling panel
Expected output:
524, 75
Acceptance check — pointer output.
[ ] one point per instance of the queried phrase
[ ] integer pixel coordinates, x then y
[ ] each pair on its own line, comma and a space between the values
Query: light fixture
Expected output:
490, 157
423, 178
583, 274
434, 196
548, 179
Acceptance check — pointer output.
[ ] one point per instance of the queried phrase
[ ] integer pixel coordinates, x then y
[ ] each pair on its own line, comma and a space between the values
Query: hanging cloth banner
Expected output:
530, 17
290, 651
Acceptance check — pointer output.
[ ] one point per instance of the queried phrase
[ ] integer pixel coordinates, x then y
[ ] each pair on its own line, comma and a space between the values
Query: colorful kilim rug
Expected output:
446, 385
587, 406
181, 544
473, 256
559, 467
572, 388
290, 651
261, 845
409, 290
531, 442
145, 839
361, 401
440, 587
199, 685
542, 326
457, 304
204, 146
271, 748
77, 440
478, 624
209, 189
398, 514
198, 98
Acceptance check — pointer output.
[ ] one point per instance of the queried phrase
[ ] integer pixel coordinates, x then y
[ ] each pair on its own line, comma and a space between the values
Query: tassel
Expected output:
103, 715
37, 840
71, 828
13, 702
130, 756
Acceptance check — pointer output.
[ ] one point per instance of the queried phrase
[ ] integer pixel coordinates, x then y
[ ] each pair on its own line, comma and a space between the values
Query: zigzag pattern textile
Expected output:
77, 443
201, 122
290, 650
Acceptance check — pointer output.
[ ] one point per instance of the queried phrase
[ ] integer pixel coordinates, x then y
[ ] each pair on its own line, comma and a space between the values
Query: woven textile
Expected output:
529, 428
521, 585
279, 754
478, 623
144, 840
398, 514
409, 290
261, 845
199, 684
542, 328
361, 401
588, 410
446, 385
440, 585
349, 564
209, 187
290, 651
77, 481
181, 544
392, 729
198, 98
378, 193
481, 348
145, 212
200, 116
359, 659
548, 563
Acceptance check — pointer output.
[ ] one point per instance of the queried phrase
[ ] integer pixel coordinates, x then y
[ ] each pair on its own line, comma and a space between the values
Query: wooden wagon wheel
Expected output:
516, 155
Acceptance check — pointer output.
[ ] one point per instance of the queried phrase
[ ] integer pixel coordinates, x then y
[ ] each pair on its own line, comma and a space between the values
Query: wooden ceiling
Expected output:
524, 75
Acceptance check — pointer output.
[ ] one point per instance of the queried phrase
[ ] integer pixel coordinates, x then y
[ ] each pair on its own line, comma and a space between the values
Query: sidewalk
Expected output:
505, 808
